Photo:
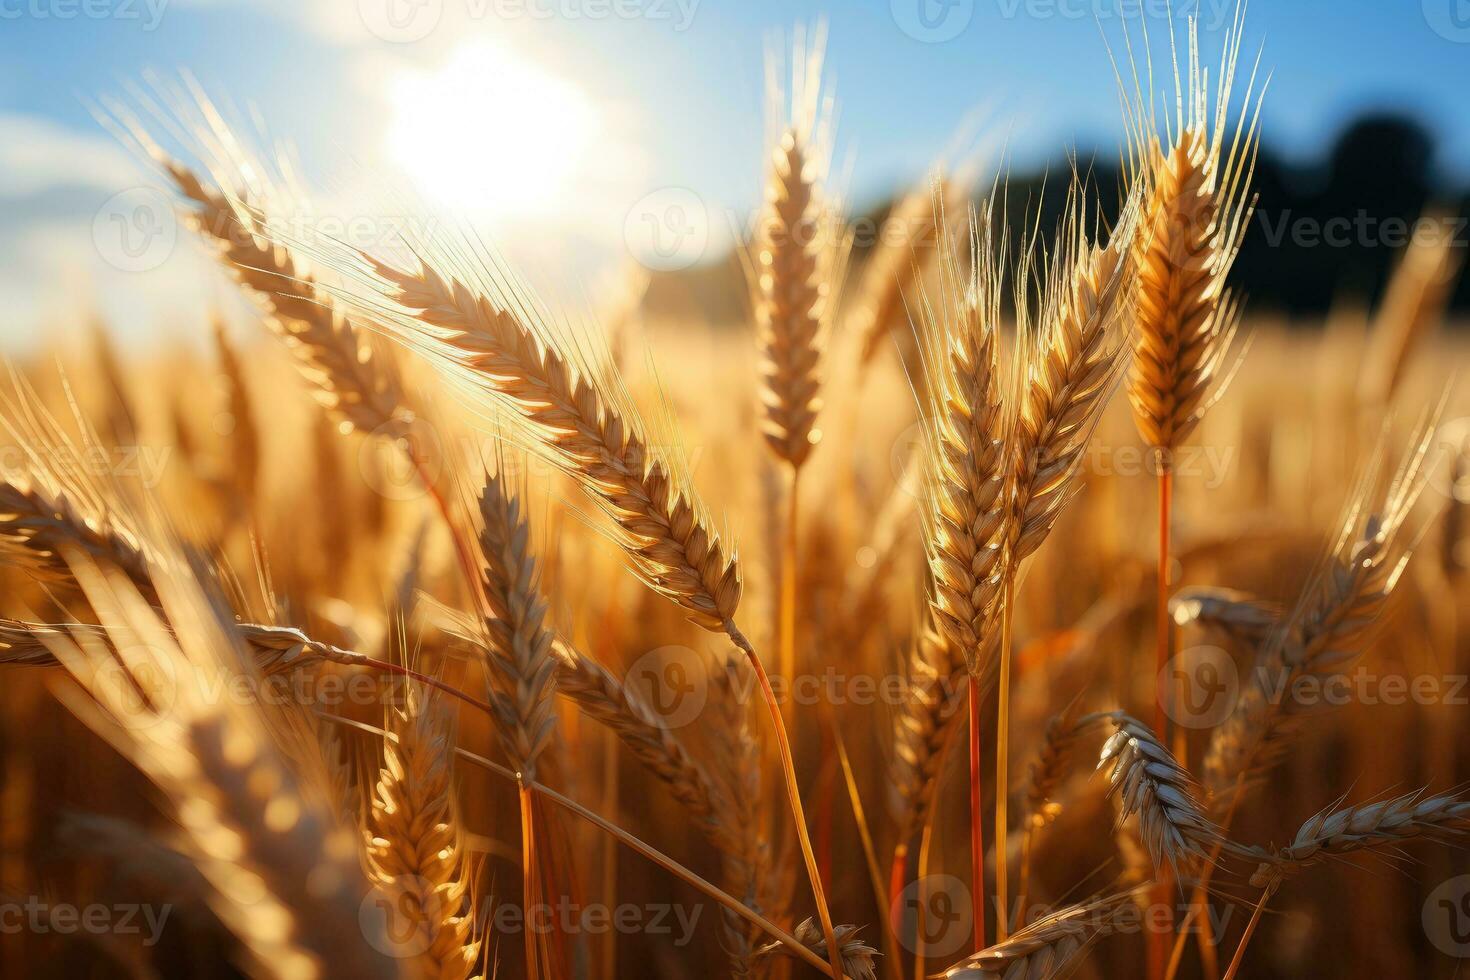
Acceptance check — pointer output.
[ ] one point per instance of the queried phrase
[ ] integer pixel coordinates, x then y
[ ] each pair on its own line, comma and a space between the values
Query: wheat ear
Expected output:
965, 522
414, 847
245, 436
519, 651
1196, 208
1149, 782
791, 260
1048, 948
1326, 631
284, 872
344, 372
1333, 833
1249, 622
859, 960
603, 697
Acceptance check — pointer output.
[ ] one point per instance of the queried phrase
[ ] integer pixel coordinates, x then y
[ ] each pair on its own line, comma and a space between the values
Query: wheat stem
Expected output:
793, 795
1002, 766
1250, 930
977, 817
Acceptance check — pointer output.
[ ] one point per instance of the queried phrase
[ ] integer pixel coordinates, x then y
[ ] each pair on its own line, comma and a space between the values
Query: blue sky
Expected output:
675, 86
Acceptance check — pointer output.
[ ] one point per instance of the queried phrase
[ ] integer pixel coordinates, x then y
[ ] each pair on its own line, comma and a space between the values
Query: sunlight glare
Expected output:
490, 132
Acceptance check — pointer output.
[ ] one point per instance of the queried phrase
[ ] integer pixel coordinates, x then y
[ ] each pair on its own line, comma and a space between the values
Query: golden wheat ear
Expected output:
796, 253
520, 647
414, 843
968, 427
1194, 171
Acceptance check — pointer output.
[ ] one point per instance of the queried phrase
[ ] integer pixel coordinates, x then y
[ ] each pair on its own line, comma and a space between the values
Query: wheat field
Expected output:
1007, 600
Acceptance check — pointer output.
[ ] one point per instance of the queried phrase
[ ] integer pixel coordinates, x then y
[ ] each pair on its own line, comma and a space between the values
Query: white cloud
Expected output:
37, 155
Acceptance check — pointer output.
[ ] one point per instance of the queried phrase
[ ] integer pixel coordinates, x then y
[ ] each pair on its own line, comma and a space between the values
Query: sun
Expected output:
489, 133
